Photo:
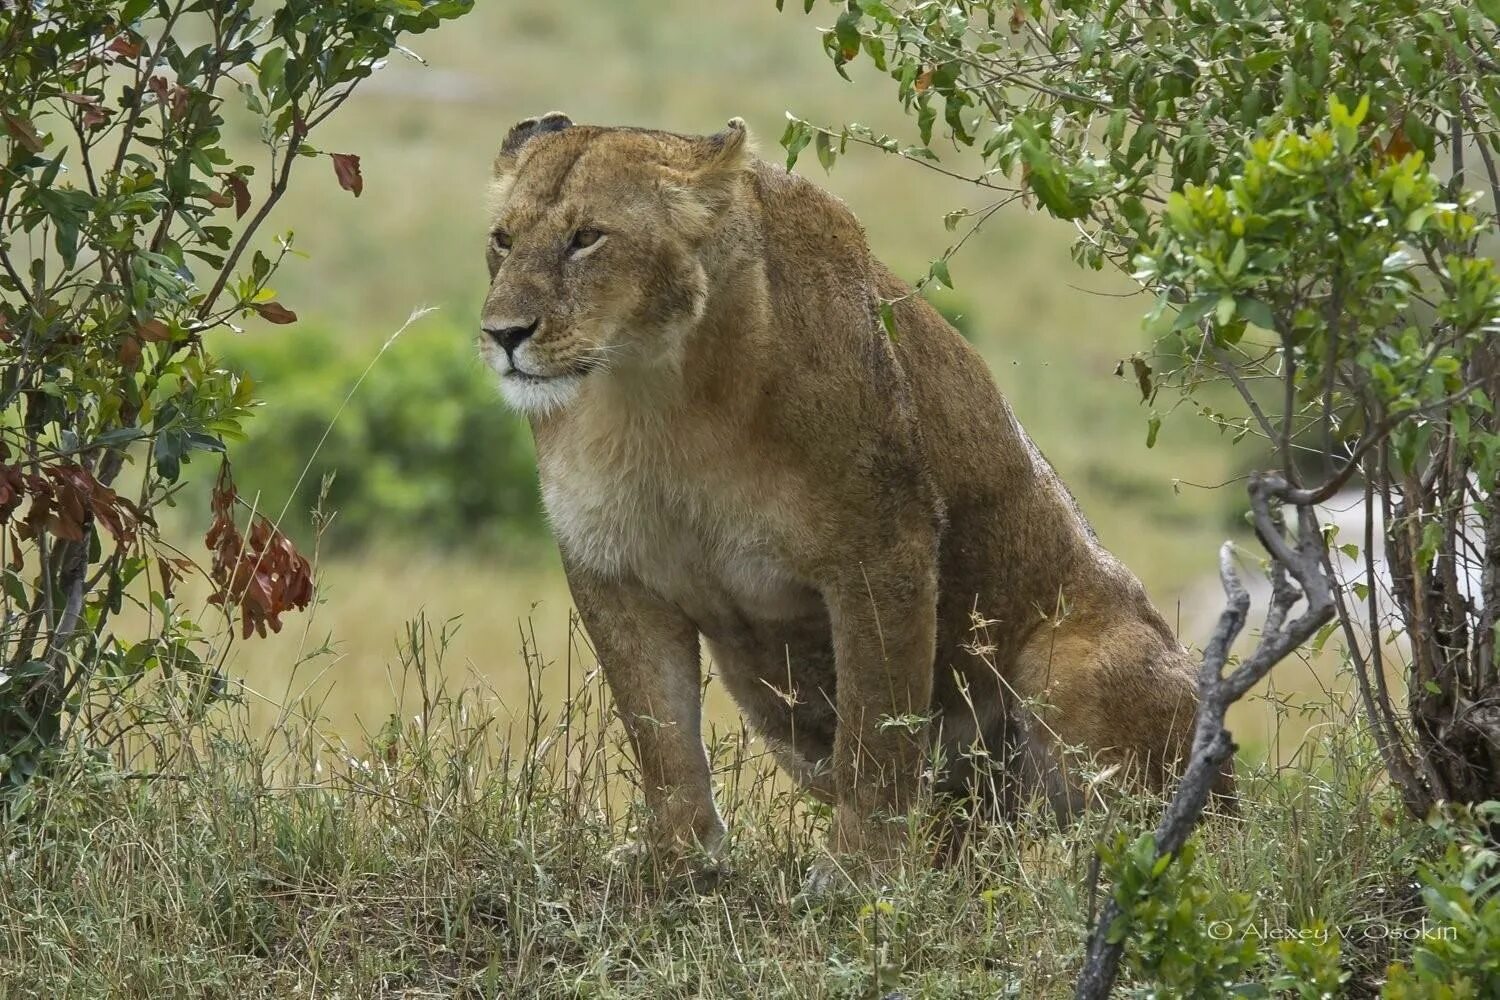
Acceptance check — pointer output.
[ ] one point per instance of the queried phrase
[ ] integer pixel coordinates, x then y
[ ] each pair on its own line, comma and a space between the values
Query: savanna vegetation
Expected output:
409, 786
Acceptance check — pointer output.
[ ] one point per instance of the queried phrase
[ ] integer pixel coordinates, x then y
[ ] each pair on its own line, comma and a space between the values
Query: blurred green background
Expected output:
433, 484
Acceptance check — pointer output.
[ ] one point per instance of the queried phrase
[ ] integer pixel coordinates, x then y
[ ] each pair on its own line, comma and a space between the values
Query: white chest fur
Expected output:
684, 519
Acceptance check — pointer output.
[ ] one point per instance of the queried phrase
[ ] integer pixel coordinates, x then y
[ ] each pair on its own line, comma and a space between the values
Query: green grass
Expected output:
463, 850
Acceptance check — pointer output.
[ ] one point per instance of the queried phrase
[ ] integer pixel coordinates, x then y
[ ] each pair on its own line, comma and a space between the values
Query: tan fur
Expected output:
731, 448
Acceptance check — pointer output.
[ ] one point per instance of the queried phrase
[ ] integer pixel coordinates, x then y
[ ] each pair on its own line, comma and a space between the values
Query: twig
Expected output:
1297, 574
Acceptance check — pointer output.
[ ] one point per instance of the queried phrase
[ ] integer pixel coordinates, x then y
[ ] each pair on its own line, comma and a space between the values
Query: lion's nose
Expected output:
510, 337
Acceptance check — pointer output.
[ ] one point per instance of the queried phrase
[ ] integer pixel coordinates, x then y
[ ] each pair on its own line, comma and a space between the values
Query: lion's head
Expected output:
597, 251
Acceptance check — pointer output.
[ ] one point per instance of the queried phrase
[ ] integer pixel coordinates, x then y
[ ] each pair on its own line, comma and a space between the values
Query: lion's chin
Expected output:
537, 396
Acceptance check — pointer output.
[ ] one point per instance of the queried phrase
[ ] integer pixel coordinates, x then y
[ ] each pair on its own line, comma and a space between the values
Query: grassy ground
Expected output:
465, 851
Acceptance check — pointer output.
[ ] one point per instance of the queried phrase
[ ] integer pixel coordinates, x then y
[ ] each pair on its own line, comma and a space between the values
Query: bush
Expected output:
129, 232
1458, 944
422, 451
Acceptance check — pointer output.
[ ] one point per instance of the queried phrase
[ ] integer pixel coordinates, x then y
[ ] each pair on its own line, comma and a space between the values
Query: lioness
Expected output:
731, 447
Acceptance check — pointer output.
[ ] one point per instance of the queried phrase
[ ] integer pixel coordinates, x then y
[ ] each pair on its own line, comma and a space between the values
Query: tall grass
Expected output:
466, 849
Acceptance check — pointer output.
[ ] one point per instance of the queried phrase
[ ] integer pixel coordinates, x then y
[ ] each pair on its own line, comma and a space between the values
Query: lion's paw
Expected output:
673, 871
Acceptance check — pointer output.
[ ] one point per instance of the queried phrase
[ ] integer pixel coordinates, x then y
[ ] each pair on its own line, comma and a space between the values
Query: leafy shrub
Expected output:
1183, 939
128, 233
1186, 940
423, 450
1457, 953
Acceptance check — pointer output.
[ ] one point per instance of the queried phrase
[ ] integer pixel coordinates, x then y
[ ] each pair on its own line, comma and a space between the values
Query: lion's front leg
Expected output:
649, 652
883, 611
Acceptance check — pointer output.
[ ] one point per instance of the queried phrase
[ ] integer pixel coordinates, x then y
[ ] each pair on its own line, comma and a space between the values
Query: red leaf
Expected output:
24, 132
264, 575
169, 577
95, 117
275, 312
924, 81
12, 490
219, 200
241, 192
179, 97
1400, 146
126, 47
154, 331
346, 166
130, 353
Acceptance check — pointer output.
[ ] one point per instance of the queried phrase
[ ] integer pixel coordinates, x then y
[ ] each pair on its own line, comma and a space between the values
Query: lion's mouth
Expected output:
540, 393
520, 374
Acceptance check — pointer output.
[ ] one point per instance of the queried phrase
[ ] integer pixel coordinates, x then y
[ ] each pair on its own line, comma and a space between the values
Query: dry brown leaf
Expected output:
346, 168
275, 312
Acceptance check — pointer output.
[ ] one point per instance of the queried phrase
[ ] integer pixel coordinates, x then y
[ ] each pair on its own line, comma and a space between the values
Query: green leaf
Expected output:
1193, 312
272, 70
1052, 191
795, 139
1361, 111
1153, 427
1462, 430
1236, 262
939, 270
1224, 310
824, 147
1179, 212
1256, 312
1418, 217
846, 32
1345, 122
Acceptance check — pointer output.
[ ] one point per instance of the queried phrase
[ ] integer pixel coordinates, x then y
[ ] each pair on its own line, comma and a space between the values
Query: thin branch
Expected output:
1297, 574
278, 188
1233, 371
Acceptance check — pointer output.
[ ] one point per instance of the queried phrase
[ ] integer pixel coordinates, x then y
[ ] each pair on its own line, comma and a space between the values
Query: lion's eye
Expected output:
583, 239
500, 240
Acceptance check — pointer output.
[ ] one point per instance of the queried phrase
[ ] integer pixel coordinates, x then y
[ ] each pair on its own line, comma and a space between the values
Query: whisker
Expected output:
597, 357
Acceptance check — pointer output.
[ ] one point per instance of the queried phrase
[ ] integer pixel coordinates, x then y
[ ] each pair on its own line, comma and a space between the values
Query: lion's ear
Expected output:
523, 132
723, 153
699, 186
